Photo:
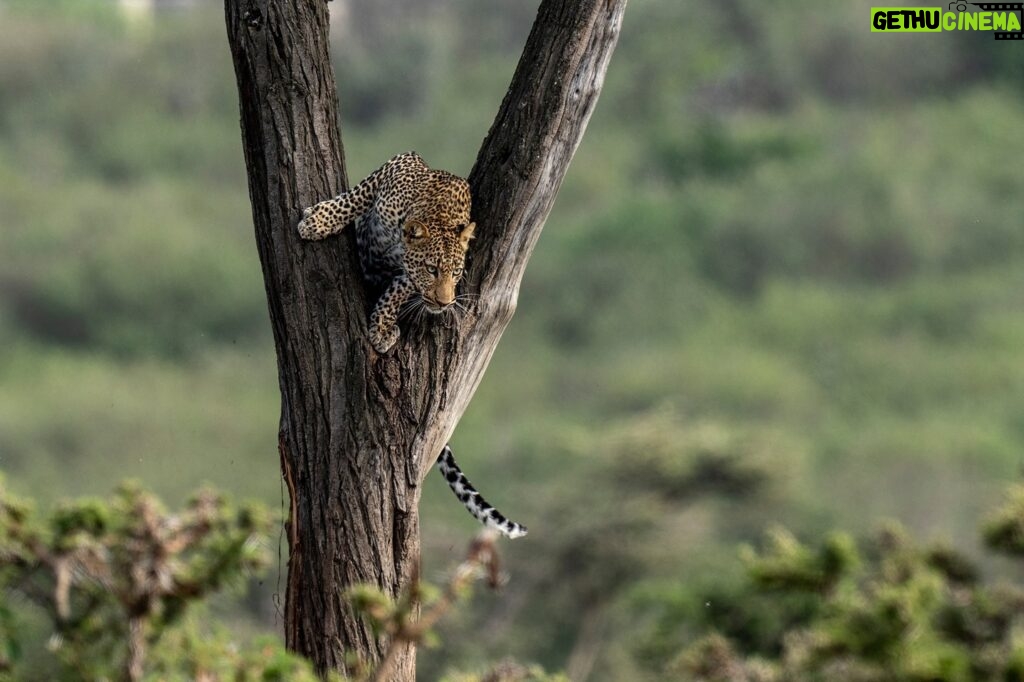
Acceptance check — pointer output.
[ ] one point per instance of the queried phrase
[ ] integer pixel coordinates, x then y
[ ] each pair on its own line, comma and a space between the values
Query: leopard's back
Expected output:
408, 188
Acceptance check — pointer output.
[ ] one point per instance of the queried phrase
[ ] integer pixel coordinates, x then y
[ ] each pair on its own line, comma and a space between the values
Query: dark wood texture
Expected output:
359, 431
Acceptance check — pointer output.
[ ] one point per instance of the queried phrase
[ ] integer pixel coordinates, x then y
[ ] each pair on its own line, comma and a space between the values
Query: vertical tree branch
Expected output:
359, 431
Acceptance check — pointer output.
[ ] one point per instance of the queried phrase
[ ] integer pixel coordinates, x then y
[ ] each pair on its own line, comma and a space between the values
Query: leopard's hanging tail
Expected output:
474, 501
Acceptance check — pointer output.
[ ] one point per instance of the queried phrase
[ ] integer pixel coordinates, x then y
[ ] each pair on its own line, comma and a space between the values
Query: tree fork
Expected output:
359, 431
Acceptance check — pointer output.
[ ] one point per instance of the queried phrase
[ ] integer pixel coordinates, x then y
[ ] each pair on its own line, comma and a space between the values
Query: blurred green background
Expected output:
786, 267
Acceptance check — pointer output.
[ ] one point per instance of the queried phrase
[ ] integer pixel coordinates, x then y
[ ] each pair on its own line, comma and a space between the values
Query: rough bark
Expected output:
359, 431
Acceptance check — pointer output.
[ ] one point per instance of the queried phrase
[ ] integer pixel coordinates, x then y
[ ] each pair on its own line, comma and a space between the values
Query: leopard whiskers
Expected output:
412, 309
466, 301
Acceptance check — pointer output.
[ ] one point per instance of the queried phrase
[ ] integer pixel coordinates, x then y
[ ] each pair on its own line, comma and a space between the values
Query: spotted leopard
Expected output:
412, 232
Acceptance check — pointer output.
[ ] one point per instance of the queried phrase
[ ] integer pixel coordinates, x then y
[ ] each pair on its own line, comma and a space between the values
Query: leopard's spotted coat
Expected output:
412, 230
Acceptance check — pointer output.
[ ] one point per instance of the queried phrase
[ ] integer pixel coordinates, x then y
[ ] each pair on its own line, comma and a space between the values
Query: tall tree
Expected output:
359, 431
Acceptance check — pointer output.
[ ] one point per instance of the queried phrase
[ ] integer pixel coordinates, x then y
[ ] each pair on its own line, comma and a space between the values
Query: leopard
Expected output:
412, 232
412, 229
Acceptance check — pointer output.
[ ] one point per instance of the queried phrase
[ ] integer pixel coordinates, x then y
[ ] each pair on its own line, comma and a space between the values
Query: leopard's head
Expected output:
434, 258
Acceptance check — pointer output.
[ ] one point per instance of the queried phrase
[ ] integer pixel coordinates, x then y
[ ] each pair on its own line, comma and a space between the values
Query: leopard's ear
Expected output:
467, 233
414, 229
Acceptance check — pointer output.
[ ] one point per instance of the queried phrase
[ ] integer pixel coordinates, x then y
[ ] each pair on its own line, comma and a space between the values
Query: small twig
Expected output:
481, 556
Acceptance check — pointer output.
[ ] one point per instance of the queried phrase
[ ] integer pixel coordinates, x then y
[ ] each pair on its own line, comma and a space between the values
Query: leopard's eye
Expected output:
432, 270
457, 272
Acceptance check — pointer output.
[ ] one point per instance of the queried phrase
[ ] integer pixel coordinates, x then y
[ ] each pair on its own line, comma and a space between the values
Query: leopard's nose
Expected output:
444, 296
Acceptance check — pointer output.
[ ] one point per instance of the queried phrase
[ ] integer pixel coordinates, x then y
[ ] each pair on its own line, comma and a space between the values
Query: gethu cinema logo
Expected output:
999, 17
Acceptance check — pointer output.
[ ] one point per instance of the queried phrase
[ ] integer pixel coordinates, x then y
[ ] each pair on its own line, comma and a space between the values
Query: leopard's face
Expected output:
434, 259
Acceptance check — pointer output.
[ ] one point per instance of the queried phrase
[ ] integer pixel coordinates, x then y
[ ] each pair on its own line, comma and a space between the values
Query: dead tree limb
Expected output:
359, 431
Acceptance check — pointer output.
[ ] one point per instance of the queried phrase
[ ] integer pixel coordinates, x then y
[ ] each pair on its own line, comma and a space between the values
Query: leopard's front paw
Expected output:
383, 340
317, 222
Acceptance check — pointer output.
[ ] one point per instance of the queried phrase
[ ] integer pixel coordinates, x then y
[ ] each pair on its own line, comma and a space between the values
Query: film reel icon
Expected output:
960, 6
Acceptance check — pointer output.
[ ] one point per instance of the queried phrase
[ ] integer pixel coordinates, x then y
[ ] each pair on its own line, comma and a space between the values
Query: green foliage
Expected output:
10, 648
387, 615
788, 565
212, 653
884, 610
681, 460
1004, 530
116, 576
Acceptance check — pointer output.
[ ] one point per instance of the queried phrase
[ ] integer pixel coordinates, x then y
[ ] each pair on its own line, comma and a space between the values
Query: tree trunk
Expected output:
359, 431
